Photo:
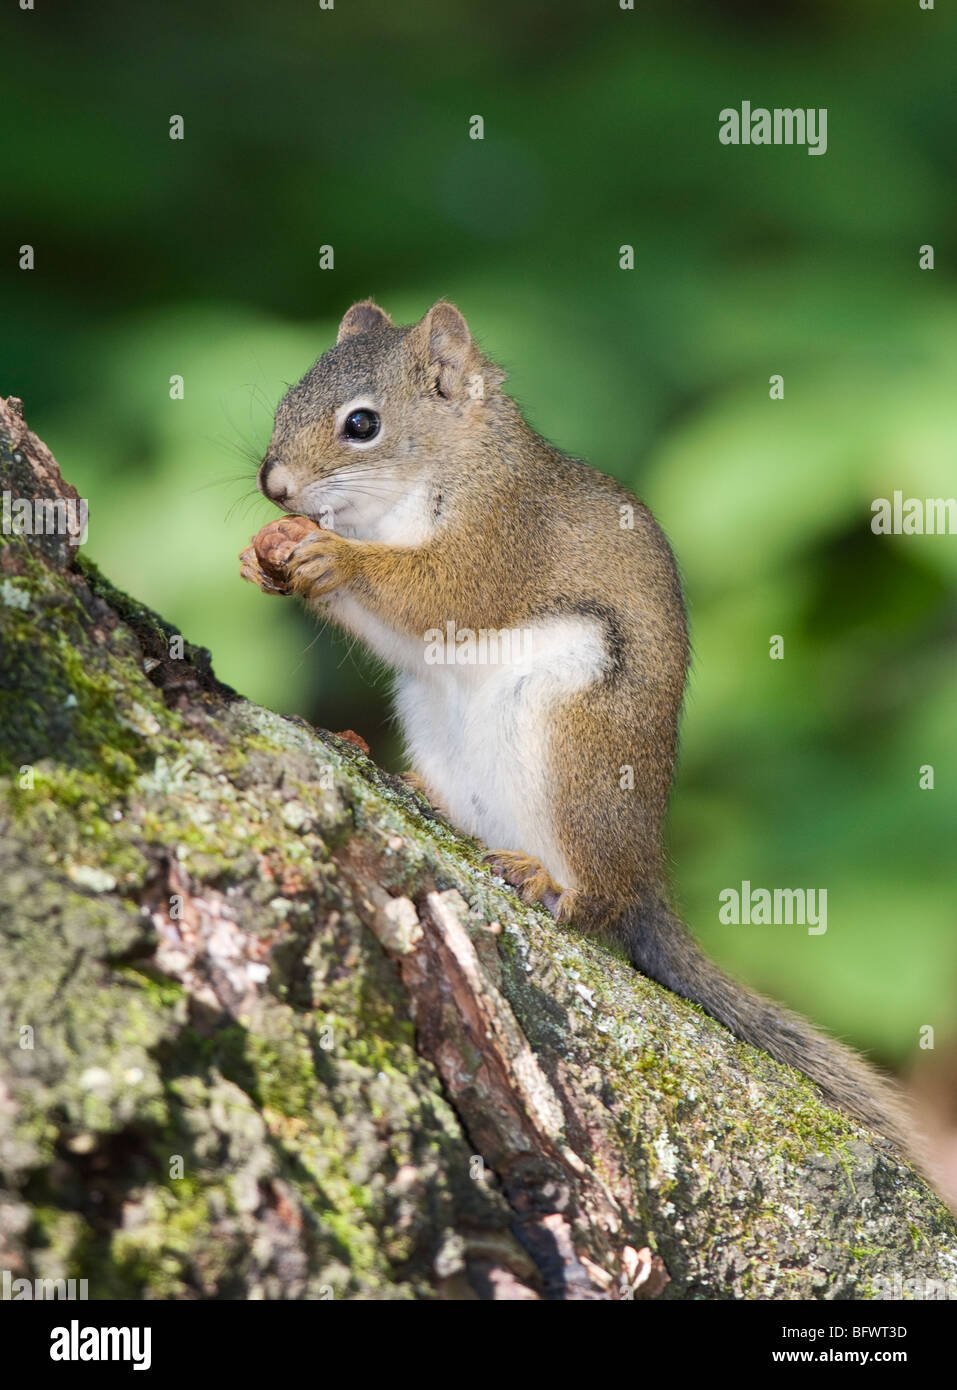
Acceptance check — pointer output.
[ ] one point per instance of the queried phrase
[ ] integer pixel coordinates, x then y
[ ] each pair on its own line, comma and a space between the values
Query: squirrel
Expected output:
422, 504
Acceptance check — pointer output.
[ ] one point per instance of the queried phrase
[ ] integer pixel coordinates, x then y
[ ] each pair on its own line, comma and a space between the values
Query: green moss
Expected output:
285, 1075
161, 992
157, 1258
59, 689
347, 1164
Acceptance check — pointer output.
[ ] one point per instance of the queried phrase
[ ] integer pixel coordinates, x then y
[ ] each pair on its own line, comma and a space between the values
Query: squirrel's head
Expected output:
377, 413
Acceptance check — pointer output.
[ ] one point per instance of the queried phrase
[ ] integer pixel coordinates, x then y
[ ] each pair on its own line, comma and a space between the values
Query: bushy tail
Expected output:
660, 946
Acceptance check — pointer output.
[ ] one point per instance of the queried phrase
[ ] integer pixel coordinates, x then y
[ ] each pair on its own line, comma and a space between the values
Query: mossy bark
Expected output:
268, 1028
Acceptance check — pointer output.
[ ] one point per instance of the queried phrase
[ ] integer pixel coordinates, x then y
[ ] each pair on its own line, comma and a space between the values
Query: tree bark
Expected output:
270, 1029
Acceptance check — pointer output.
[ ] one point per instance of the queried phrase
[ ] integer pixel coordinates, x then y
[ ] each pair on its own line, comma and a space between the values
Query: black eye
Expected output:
361, 424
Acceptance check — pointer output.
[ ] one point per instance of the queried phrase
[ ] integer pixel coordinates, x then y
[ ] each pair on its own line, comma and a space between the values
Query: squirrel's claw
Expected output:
265, 561
251, 571
534, 883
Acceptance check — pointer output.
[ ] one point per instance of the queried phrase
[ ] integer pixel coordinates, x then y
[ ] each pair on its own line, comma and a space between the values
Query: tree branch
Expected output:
270, 1029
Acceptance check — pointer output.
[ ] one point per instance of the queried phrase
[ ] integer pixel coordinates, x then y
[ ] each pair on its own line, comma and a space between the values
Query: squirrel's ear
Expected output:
443, 341
361, 318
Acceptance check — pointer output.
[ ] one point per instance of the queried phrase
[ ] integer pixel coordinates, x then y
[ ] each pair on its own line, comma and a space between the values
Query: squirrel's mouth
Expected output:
323, 505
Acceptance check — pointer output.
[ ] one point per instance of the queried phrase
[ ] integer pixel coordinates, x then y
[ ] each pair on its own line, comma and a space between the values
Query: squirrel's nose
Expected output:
275, 490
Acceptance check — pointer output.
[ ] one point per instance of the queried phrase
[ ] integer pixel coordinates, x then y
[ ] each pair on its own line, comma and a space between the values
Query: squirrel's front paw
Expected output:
319, 564
250, 569
266, 561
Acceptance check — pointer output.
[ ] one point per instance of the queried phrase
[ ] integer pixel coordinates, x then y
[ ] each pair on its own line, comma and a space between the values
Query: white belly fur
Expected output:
478, 734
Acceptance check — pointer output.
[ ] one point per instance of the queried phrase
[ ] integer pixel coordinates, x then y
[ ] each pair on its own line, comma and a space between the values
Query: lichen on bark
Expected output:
269, 1029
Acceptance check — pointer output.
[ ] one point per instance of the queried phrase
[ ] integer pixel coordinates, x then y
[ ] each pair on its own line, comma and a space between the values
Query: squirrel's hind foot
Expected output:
418, 784
569, 906
533, 881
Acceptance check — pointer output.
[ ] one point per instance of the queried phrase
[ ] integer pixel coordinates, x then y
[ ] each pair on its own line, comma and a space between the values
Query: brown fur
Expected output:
522, 533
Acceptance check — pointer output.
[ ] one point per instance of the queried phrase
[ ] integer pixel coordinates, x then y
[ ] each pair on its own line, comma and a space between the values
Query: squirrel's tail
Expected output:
660, 946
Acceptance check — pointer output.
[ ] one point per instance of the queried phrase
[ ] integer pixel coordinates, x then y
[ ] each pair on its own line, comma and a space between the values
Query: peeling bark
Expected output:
268, 1028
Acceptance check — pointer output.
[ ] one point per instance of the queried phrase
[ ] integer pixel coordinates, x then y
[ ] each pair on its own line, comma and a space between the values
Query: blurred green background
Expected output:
306, 127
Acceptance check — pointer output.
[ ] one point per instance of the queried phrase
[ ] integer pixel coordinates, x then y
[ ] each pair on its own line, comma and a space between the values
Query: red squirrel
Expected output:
422, 503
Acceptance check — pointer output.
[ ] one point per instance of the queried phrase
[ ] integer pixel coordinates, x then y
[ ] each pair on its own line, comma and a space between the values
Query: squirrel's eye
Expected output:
361, 424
